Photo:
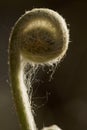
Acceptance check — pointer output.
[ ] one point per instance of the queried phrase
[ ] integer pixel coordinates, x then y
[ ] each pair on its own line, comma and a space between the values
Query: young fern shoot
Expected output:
39, 37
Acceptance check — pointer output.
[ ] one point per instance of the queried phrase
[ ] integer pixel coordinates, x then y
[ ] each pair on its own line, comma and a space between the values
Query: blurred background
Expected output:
63, 101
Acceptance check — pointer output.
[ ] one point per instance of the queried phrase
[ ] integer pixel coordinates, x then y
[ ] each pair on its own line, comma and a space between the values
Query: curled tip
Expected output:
42, 35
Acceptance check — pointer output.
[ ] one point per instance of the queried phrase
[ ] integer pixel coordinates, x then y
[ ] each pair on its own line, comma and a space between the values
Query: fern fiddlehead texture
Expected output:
39, 37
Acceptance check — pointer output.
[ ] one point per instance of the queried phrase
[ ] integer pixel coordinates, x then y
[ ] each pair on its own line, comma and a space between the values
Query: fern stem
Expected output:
39, 37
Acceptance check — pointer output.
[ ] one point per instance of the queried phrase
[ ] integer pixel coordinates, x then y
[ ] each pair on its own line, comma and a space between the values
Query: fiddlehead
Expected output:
39, 37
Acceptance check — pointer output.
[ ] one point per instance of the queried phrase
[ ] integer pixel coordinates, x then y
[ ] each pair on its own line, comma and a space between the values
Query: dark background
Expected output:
66, 105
